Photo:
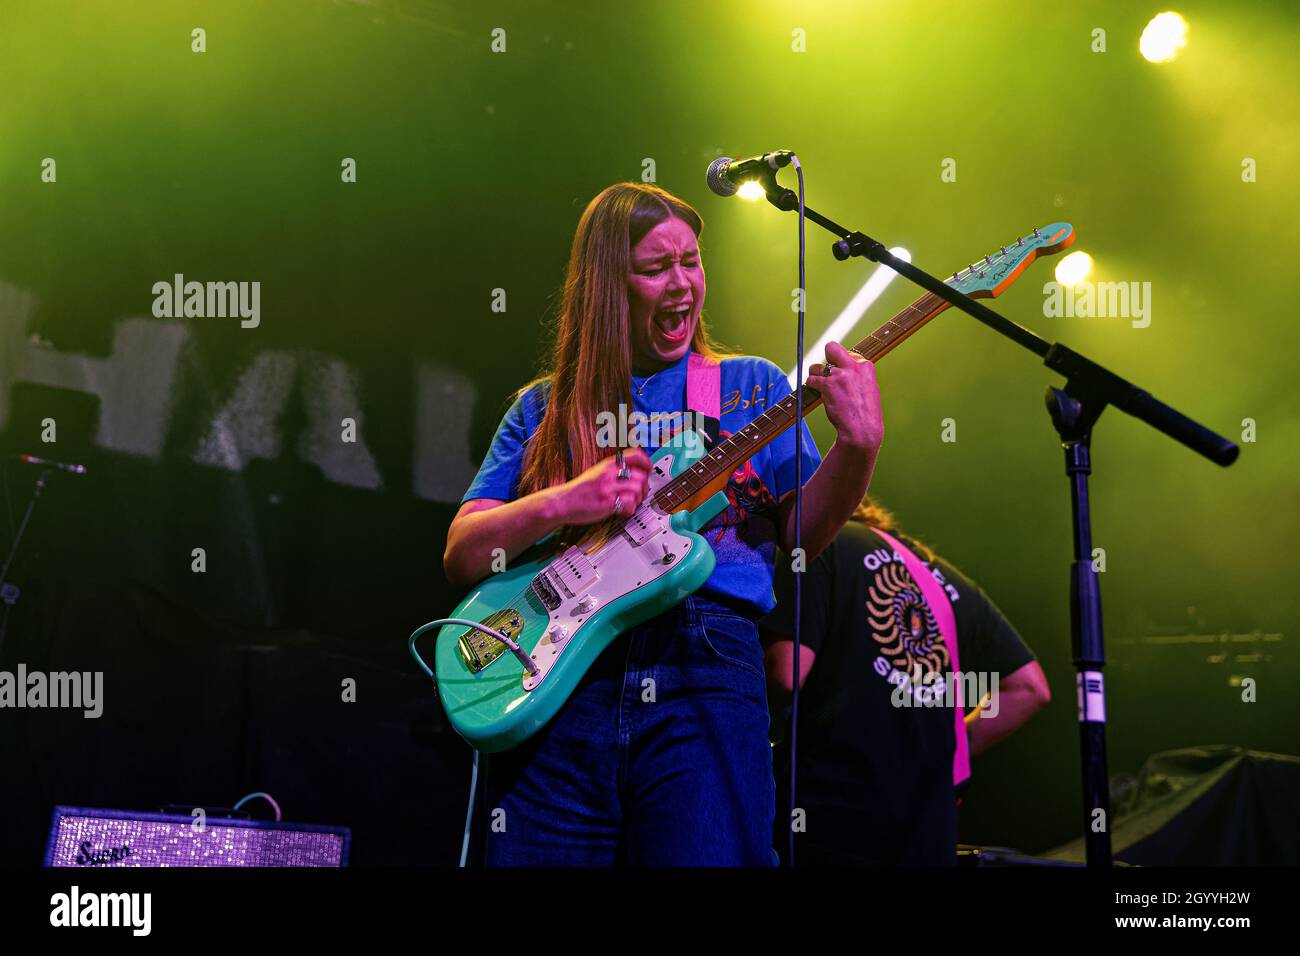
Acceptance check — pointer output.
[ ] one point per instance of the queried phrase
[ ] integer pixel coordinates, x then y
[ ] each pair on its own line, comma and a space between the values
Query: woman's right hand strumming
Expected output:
599, 493
485, 529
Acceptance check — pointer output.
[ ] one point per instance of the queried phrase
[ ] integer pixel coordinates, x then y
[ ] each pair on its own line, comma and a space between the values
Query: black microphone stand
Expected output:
1074, 410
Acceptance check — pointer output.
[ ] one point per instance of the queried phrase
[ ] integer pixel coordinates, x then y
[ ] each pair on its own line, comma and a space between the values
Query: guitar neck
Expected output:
729, 455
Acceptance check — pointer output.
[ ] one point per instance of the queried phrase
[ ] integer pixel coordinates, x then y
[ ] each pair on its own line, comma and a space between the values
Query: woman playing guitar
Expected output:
661, 755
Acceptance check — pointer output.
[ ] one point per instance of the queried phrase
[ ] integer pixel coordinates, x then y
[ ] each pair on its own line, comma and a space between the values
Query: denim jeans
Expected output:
660, 757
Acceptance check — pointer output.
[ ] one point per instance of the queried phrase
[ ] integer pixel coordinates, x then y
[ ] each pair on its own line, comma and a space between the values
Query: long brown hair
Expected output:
590, 368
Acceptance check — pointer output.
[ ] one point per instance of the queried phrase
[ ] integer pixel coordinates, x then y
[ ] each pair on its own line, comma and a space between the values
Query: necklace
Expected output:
640, 392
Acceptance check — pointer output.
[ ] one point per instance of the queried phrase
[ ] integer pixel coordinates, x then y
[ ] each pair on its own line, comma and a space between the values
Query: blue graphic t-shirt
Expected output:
743, 535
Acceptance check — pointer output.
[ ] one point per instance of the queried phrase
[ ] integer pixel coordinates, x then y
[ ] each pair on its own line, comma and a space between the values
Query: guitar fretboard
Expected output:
727, 456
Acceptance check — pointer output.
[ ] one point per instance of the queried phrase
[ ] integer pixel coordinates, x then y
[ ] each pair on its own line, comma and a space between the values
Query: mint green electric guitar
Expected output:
515, 648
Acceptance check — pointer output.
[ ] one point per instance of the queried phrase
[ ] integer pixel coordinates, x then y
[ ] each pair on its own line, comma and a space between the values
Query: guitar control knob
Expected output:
586, 604
558, 633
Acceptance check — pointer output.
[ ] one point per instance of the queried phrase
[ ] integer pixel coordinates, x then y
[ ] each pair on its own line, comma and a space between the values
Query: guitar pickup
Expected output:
642, 526
571, 573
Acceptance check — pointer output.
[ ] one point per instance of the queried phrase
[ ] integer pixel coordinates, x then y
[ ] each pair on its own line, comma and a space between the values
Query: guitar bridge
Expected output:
546, 592
478, 650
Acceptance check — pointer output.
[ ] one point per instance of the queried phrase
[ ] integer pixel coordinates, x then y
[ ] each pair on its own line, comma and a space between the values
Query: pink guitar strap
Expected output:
704, 393
937, 600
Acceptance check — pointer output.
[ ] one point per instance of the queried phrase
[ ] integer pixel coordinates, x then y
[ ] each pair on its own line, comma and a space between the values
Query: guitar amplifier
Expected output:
81, 837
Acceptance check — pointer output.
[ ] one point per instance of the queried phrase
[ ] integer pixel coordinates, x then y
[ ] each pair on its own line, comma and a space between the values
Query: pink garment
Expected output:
704, 387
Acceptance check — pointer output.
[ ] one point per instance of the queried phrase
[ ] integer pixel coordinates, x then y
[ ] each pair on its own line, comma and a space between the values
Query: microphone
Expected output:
47, 463
726, 174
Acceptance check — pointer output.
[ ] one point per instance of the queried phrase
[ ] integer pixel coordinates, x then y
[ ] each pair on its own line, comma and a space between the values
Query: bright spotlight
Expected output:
857, 307
1074, 268
1163, 37
751, 190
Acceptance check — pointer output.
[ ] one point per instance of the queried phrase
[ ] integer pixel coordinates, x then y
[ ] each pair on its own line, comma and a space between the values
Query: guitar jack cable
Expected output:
515, 649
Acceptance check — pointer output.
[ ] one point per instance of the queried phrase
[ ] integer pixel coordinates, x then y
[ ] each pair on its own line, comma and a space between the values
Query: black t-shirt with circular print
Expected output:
875, 774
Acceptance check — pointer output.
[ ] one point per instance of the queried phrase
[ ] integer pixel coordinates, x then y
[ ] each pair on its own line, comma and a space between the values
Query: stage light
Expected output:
751, 190
839, 330
1074, 268
1163, 37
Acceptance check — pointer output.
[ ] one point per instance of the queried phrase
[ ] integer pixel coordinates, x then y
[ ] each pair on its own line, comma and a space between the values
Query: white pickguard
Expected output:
645, 549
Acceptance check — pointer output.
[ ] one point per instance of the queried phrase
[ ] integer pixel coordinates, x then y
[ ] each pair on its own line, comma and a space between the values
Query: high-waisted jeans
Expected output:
659, 758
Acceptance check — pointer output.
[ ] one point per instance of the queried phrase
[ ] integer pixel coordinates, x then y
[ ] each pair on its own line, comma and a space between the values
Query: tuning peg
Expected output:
1002, 249
1037, 234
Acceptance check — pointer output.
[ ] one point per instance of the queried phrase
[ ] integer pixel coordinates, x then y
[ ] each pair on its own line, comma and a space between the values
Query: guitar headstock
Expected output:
990, 276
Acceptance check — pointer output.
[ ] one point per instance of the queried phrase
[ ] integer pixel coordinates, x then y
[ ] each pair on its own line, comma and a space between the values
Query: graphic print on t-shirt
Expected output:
910, 647
746, 494
902, 625
746, 491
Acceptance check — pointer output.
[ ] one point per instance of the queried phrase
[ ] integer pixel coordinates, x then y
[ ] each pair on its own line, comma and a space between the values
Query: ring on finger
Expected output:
618, 505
